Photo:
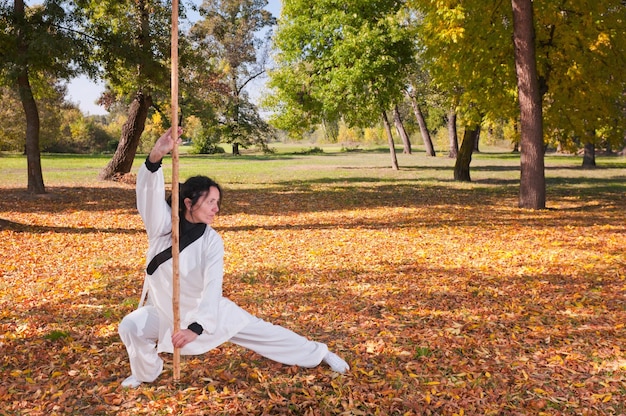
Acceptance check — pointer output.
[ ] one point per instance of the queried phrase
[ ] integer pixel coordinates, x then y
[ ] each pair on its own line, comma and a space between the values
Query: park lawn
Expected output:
444, 297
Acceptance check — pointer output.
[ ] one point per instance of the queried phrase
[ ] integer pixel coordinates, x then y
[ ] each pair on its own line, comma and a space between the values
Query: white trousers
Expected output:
139, 331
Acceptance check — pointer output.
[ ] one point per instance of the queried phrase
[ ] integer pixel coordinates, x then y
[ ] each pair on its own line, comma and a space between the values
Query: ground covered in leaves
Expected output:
444, 302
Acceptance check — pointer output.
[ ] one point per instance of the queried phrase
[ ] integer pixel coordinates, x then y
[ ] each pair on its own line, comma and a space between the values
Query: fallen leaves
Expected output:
442, 303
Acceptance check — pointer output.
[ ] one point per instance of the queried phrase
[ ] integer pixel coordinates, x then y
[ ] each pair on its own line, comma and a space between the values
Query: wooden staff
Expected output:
175, 193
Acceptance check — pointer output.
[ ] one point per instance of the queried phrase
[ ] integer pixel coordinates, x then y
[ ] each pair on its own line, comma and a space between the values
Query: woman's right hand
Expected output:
164, 145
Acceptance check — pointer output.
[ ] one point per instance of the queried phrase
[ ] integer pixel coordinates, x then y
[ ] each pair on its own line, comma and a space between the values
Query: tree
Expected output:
452, 134
133, 47
342, 60
419, 84
64, 128
580, 54
392, 147
467, 53
294, 107
464, 158
37, 43
532, 182
419, 116
589, 155
397, 121
229, 30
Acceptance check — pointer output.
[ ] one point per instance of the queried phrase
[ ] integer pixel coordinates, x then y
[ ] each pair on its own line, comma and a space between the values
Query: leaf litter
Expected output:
443, 302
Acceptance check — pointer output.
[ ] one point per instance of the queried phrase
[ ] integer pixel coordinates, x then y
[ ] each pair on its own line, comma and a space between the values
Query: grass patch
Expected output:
492, 168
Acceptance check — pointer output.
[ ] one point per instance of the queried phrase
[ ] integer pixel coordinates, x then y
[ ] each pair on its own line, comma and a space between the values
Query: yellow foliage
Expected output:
603, 41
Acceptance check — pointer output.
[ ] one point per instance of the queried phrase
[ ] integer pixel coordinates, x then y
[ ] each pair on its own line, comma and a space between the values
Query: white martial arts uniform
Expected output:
147, 331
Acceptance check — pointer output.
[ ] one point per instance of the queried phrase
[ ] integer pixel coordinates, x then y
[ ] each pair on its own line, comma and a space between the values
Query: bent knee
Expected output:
140, 323
127, 327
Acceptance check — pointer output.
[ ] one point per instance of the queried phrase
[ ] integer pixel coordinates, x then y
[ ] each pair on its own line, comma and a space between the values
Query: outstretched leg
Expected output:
285, 346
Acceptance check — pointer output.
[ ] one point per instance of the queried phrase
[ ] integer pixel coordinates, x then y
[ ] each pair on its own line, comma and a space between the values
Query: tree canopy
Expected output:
37, 44
230, 35
580, 48
340, 60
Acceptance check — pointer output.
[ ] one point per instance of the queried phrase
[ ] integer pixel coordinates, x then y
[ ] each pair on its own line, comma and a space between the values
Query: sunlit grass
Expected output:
494, 169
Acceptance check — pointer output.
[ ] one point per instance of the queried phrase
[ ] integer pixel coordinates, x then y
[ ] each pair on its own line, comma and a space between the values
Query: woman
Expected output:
208, 319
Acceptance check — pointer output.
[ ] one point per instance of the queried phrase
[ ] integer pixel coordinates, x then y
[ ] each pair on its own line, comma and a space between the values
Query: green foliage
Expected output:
208, 142
82, 134
310, 151
231, 27
247, 129
293, 107
39, 43
206, 147
423, 352
48, 43
132, 44
339, 60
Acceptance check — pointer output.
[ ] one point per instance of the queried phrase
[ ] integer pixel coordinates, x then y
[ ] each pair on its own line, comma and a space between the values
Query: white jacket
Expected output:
201, 271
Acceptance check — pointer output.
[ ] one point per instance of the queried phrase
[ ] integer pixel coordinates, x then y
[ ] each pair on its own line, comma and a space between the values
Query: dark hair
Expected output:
193, 188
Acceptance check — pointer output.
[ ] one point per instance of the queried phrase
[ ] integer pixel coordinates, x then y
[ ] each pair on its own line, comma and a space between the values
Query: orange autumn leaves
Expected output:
443, 301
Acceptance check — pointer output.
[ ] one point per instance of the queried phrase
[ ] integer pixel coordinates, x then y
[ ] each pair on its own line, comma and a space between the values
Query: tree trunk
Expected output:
464, 158
33, 154
401, 131
589, 156
452, 134
392, 147
235, 117
532, 182
419, 116
476, 140
516, 139
330, 130
122, 161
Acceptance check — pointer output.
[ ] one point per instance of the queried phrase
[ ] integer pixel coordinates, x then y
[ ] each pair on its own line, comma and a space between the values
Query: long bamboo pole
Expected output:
175, 194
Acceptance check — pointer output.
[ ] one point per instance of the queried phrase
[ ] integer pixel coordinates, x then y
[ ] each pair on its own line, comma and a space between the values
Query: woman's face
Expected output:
205, 208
